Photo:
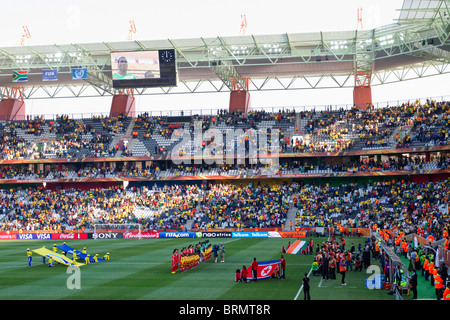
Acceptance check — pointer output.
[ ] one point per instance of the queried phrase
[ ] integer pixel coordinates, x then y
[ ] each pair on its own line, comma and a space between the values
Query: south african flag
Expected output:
20, 76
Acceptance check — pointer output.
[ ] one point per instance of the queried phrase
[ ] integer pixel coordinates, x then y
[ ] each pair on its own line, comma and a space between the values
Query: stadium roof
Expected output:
416, 46
423, 10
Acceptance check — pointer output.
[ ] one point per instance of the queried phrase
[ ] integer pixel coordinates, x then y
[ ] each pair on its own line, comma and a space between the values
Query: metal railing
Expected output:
174, 111
394, 261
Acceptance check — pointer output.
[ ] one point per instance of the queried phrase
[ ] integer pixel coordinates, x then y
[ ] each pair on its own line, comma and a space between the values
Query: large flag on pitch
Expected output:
296, 247
57, 257
265, 269
82, 255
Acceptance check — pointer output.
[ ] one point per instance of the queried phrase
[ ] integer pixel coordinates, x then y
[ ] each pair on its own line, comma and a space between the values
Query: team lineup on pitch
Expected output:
143, 267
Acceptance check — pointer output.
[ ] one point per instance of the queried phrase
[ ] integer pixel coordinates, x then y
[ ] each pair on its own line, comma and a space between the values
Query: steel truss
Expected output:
416, 46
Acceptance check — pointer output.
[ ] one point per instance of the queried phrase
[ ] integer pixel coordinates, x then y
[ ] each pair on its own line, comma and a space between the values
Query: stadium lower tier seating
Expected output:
400, 205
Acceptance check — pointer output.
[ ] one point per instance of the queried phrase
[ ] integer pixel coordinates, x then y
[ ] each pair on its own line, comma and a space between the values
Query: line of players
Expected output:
191, 256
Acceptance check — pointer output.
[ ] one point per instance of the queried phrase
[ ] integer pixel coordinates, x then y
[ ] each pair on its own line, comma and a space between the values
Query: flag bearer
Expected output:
30, 257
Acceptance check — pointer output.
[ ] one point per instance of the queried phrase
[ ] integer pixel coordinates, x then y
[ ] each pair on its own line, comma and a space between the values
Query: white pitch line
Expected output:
301, 288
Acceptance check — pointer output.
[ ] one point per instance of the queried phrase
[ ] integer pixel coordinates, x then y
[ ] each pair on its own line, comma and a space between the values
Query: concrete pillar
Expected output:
362, 97
12, 109
239, 101
123, 104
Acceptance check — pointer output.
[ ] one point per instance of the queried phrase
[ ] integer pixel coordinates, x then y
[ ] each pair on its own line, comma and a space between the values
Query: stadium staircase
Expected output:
290, 217
402, 131
122, 137
188, 224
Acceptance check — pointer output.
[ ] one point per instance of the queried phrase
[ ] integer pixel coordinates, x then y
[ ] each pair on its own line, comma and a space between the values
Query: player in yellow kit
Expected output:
50, 261
30, 257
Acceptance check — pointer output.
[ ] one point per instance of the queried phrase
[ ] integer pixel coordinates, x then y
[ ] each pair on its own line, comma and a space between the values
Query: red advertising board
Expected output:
293, 234
5, 236
69, 236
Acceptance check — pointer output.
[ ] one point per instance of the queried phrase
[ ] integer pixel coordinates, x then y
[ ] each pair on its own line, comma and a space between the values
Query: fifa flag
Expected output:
57, 257
296, 247
265, 269
79, 73
50, 75
20, 76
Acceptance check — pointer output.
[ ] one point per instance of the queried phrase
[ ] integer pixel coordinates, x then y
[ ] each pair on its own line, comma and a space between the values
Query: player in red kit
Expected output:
254, 270
175, 258
276, 272
237, 277
244, 273
283, 267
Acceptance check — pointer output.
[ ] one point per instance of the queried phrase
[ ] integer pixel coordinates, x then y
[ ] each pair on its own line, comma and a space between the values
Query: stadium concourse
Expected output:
352, 172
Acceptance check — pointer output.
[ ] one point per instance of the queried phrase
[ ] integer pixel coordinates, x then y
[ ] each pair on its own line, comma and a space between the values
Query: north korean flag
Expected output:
265, 269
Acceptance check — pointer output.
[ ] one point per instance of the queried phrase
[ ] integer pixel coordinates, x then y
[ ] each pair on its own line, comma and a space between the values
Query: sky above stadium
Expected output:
78, 21
83, 21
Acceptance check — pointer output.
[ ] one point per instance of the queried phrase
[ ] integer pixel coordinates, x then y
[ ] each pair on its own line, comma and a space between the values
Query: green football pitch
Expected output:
141, 270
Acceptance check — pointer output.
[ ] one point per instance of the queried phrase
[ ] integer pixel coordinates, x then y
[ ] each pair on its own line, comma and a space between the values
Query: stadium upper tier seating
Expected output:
412, 124
408, 125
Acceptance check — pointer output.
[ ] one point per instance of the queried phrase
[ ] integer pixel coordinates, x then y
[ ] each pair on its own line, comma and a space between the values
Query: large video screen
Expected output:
142, 69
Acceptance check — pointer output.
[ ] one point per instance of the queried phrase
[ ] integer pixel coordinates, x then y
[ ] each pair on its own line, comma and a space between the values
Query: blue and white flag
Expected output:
82, 255
50, 75
79, 73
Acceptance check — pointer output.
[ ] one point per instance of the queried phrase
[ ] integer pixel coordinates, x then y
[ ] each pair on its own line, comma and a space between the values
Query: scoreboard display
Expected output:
144, 69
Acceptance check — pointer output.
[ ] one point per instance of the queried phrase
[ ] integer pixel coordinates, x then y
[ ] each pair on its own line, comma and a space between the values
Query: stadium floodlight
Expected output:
273, 48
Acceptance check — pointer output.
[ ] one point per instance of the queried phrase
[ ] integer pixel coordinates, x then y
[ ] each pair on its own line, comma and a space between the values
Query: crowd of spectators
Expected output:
395, 205
243, 206
343, 130
66, 209
418, 123
392, 205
